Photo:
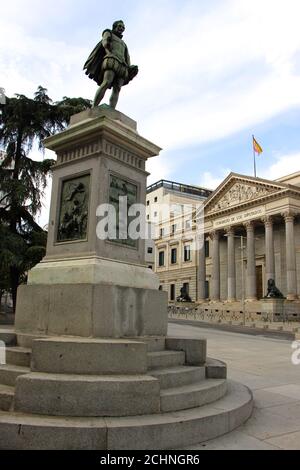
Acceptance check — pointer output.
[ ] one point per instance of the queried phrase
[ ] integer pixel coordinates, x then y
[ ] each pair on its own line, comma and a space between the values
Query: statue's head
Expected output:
119, 28
271, 283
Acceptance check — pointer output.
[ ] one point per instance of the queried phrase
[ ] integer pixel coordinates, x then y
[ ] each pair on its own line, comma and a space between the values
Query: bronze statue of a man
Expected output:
109, 64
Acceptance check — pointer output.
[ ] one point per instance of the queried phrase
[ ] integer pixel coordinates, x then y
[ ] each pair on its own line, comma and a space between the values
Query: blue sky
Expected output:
211, 75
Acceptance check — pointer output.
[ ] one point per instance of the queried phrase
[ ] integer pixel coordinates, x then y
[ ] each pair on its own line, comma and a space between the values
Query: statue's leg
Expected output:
116, 92
108, 79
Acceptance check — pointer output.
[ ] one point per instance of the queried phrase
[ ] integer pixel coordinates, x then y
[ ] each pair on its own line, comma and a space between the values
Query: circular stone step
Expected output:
154, 432
87, 395
192, 395
178, 376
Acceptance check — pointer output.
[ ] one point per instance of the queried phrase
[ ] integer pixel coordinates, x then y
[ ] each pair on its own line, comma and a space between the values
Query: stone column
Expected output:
231, 296
251, 265
201, 278
270, 256
291, 270
215, 279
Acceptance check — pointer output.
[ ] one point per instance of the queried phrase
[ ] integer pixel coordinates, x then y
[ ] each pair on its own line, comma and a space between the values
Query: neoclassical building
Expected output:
254, 231
252, 234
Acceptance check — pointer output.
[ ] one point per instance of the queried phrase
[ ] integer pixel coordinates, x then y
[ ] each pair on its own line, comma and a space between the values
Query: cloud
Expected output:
27, 61
207, 77
159, 168
206, 72
212, 181
284, 165
207, 69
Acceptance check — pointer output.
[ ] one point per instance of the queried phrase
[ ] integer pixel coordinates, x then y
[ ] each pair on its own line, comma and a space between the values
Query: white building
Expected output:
171, 210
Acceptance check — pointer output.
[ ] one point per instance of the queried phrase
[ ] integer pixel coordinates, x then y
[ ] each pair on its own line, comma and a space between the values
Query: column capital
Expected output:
289, 215
268, 220
214, 235
249, 225
230, 231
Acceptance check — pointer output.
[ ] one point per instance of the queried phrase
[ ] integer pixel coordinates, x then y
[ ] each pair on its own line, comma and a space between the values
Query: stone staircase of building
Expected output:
49, 401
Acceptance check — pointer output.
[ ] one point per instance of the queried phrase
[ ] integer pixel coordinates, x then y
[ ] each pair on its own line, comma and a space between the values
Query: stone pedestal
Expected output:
87, 285
272, 309
101, 373
292, 310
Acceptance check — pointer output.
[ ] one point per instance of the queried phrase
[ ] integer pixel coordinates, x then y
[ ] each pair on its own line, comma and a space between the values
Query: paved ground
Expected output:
265, 366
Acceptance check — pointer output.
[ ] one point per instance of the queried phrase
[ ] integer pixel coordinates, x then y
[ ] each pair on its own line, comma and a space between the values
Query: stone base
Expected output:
272, 309
89, 310
93, 270
292, 310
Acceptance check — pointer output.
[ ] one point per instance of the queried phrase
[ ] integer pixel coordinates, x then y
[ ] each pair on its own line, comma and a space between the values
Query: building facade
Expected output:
171, 211
251, 235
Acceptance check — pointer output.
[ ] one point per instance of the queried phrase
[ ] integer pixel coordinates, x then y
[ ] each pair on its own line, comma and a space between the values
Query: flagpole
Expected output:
254, 156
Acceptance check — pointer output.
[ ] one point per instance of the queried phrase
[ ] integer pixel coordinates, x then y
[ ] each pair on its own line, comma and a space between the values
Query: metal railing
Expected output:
215, 315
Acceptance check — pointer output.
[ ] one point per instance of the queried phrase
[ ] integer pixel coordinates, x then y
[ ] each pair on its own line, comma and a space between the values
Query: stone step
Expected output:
193, 395
26, 340
163, 359
18, 356
6, 397
8, 336
89, 356
152, 432
87, 395
9, 374
178, 376
215, 369
154, 344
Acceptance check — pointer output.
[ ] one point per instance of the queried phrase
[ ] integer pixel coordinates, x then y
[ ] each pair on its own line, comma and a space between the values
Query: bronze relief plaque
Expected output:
74, 209
128, 192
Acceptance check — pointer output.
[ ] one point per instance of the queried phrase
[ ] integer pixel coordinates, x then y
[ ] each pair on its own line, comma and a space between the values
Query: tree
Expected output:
24, 122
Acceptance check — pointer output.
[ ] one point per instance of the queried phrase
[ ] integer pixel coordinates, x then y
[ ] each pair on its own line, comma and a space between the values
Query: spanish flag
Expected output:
256, 147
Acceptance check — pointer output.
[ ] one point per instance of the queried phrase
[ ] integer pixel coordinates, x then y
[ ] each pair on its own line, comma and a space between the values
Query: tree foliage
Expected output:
24, 123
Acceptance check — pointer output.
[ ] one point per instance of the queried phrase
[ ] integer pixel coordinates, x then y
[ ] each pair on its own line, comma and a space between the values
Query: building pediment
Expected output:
236, 191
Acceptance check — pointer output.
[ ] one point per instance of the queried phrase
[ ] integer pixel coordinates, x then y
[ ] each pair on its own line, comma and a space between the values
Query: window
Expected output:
172, 292
206, 249
188, 224
150, 267
187, 253
174, 256
174, 227
161, 261
148, 217
148, 203
160, 288
162, 232
155, 214
150, 251
207, 289
155, 199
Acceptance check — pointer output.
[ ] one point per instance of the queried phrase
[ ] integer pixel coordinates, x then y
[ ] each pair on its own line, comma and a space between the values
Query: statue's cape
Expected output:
93, 65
